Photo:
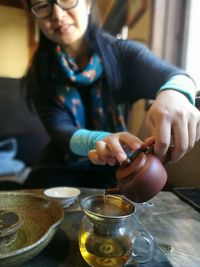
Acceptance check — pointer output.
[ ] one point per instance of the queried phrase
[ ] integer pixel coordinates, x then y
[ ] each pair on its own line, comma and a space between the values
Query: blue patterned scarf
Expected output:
88, 79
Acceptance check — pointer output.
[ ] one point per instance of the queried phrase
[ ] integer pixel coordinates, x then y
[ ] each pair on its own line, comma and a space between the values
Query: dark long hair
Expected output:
39, 76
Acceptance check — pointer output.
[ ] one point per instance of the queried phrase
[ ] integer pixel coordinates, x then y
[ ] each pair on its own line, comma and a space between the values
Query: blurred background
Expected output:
168, 27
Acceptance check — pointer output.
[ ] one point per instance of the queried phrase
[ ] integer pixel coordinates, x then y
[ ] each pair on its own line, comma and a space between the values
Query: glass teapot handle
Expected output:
143, 247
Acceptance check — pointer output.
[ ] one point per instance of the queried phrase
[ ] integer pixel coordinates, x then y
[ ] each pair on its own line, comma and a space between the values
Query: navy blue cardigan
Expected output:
132, 72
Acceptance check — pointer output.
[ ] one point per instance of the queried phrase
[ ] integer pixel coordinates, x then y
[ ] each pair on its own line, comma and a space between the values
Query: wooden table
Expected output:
176, 227
174, 224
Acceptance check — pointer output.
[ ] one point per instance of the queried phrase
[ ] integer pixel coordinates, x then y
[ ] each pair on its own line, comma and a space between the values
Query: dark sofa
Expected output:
17, 121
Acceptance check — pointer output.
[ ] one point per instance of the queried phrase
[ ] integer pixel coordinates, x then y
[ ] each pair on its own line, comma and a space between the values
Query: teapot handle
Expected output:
143, 247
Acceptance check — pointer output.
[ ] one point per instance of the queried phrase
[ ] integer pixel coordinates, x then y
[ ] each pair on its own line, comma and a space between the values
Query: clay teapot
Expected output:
140, 177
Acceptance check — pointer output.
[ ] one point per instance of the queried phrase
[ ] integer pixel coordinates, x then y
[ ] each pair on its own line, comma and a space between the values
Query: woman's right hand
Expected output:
112, 149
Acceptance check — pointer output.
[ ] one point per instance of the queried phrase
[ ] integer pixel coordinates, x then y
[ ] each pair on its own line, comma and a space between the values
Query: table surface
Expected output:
176, 227
174, 224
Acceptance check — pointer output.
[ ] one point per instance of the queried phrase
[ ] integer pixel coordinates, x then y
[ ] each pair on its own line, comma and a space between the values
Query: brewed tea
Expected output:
99, 251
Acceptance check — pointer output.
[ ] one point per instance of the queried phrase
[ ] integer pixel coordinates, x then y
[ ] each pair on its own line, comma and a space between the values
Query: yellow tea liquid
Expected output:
99, 251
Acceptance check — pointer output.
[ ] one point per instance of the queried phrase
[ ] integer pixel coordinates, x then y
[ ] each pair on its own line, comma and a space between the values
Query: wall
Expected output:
140, 11
193, 42
104, 7
17, 41
186, 172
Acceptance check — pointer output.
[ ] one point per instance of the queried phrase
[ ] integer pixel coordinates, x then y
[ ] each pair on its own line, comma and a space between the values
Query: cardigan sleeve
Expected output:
143, 72
56, 119
182, 84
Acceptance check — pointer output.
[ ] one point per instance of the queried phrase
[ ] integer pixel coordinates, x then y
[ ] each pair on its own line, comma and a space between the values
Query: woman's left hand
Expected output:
175, 124
112, 149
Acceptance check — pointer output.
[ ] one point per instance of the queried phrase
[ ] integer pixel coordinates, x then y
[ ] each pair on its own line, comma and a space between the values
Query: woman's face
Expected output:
66, 27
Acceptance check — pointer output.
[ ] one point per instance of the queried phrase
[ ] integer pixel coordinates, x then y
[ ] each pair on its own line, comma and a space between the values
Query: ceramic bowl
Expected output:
41, 220
65, 196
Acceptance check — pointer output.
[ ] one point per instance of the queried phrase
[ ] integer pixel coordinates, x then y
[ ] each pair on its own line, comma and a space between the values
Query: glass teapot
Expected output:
108, 236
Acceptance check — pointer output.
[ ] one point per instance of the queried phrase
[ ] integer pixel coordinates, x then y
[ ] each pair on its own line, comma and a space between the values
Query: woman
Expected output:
82, 81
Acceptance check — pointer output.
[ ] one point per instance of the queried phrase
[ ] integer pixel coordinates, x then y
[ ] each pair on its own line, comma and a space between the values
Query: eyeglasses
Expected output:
44, 9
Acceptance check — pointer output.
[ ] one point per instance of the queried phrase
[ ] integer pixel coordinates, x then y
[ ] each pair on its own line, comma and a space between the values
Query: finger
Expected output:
104, 152
180, 139
162, 134
149, 141
198, 132
117, 150
192, 133
118, 144
131, 140
198, 128
95, 158
150, 125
